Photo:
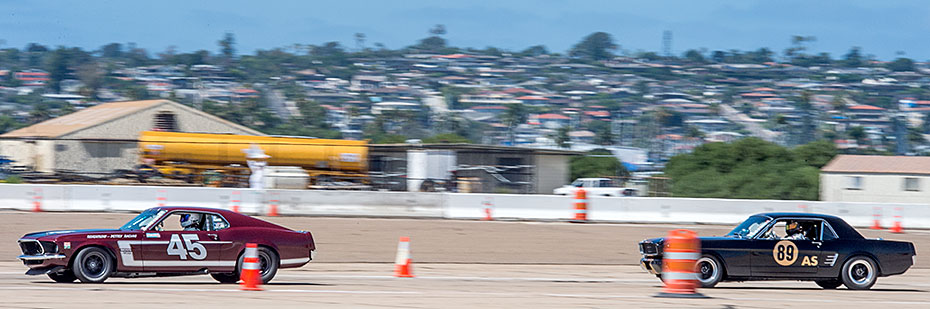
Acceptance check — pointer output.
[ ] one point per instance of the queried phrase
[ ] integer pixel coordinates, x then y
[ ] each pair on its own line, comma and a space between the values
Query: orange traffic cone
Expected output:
37, 200
273, 208
876, 218
682, 250
235, 201
250, 276
487, 211
402, 267
896, 228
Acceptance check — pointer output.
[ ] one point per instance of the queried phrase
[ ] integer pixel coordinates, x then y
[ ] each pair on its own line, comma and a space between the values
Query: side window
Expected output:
828, 233
911, 184
854, 183
182, 221
605, 183
217, 223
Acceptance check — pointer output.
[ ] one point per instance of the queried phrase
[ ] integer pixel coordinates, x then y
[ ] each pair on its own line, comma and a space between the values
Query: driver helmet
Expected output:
190, 220
793, 227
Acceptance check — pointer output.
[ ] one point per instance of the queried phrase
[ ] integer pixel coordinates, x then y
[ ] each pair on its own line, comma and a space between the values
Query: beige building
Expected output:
103, 138
876, 179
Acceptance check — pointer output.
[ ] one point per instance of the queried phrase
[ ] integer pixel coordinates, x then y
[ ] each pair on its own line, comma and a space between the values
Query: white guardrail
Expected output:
440, 205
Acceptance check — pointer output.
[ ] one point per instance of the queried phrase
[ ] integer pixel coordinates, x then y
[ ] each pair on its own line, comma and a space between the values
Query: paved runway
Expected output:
459, 264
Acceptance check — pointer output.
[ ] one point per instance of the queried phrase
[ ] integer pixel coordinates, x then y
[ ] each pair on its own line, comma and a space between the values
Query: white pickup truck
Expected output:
596, 187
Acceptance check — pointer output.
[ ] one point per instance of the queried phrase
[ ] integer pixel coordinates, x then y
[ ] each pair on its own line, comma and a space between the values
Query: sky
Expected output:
886, 29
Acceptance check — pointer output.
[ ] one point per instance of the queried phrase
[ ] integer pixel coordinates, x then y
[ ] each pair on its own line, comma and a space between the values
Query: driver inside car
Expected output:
795, 231
191, 222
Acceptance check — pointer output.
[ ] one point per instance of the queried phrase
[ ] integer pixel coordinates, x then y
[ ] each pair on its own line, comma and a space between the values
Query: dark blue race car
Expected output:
792, 246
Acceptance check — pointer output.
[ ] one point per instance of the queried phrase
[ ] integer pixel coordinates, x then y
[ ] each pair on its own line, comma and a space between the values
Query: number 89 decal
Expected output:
785, 253
196, 250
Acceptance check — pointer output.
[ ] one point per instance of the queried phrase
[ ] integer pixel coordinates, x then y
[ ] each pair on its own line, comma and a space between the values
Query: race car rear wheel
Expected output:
859, 273
226, 278
62, 277
268, 263
93, 265
709, 271
829, 284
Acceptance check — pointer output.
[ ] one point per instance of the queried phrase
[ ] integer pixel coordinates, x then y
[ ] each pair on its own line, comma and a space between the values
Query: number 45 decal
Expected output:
196, 250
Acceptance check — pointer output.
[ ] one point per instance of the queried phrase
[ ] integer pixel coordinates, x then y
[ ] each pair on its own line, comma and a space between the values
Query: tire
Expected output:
268, 261
859, 273
63, 277
709, 271
226, 278
829, 284
93, 265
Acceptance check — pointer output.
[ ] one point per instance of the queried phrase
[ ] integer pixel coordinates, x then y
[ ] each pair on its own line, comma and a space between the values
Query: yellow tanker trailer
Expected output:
190, 155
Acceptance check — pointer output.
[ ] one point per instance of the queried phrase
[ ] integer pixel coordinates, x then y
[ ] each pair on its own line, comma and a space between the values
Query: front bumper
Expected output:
653, 265
42, 257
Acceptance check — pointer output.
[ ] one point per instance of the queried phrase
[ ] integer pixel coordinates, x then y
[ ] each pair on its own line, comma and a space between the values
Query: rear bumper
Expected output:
651, 265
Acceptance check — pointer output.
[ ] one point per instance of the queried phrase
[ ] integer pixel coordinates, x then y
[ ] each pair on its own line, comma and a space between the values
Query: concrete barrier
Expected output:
439, 205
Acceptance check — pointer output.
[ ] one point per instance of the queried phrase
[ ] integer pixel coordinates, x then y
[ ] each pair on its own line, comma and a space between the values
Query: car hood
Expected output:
67, 232
708, 238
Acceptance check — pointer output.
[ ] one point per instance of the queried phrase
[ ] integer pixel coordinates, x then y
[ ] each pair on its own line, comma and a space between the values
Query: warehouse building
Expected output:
876, 179
102, 138
469, 168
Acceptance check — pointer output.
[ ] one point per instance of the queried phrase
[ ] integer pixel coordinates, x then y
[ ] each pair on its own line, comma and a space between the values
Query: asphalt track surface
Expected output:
458, 264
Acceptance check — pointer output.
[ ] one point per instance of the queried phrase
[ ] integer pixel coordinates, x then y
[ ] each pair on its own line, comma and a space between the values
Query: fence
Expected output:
439, 205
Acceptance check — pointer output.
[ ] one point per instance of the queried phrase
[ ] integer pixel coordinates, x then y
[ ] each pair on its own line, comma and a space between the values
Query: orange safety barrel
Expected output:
679, 257
581, 206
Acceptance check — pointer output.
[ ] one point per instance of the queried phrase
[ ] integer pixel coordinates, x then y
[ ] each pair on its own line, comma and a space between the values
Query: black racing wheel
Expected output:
93, 265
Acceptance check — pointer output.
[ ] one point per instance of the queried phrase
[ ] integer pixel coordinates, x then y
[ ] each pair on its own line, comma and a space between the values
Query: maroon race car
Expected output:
166, 241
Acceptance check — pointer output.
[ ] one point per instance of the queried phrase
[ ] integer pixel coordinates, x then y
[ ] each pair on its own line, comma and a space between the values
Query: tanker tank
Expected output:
174, 153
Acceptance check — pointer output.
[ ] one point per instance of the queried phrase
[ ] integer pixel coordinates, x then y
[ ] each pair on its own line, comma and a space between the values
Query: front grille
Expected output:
49, 247
648, 248
30, 247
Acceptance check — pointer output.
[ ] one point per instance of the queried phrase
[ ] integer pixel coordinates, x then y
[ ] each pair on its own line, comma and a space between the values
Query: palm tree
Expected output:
512, 117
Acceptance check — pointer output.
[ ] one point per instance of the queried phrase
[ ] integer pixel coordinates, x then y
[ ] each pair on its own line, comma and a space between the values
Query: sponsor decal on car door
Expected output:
183, 251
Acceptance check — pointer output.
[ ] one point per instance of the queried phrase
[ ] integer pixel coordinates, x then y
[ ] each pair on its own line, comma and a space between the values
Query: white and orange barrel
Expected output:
679, 257
581, 205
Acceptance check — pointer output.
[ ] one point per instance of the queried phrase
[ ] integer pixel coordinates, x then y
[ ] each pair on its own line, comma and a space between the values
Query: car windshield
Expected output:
749, 227
143, 220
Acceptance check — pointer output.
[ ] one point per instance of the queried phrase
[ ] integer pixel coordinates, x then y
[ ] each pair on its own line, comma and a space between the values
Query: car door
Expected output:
774, 256
169, 248
222, 238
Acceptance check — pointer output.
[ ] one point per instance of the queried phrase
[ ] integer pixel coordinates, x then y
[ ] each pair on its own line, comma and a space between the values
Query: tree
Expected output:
853, 58
597, 163
512, 117
595, 46
901, 65
112, 50
857, 133
694, 56
434, 42
749, 168
561, 137
228, 46
359, 41
535, 51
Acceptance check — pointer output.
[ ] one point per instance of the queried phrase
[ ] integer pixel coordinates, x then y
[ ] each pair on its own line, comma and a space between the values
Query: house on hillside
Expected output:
103, 138
876, 179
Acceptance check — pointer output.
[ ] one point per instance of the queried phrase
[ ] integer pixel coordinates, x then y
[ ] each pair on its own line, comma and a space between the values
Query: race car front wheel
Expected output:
709, 271
63, 277
93, 265
859, 273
